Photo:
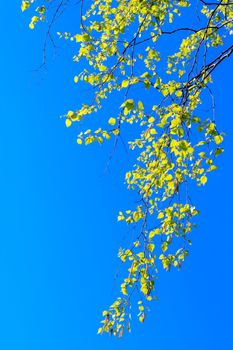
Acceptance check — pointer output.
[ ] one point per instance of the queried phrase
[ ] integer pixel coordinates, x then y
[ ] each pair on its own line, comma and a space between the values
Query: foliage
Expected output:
125, 45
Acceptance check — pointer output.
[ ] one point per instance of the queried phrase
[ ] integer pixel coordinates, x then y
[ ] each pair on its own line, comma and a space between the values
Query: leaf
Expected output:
218, 139
70, 114
102, 68
129, 105
153, 131
115, 132
25, 5
142, 318
160, 215
164, 247
154, 232
140, 105
179, 93
136, 216
125, 83
100, 330
86, 37
150, 247
112, 121
89, 140
82, 37
218, 151
203, 180
68, 123
151, 120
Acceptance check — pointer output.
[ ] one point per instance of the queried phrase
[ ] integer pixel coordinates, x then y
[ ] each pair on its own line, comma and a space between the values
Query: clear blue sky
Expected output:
59, 237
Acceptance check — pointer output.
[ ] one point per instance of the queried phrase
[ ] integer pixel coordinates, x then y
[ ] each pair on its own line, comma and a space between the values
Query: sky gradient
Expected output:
59, 236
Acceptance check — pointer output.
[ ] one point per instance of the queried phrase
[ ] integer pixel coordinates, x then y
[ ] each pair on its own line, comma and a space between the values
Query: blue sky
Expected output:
59, 236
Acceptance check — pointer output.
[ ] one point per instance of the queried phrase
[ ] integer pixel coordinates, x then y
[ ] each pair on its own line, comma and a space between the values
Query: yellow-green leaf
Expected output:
25, 5
125, 83
112, 121
68, 123
203, 180
218, 139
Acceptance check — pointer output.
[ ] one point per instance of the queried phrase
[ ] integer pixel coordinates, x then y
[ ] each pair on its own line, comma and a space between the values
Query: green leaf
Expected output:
218, 151
164, 247
150, 247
